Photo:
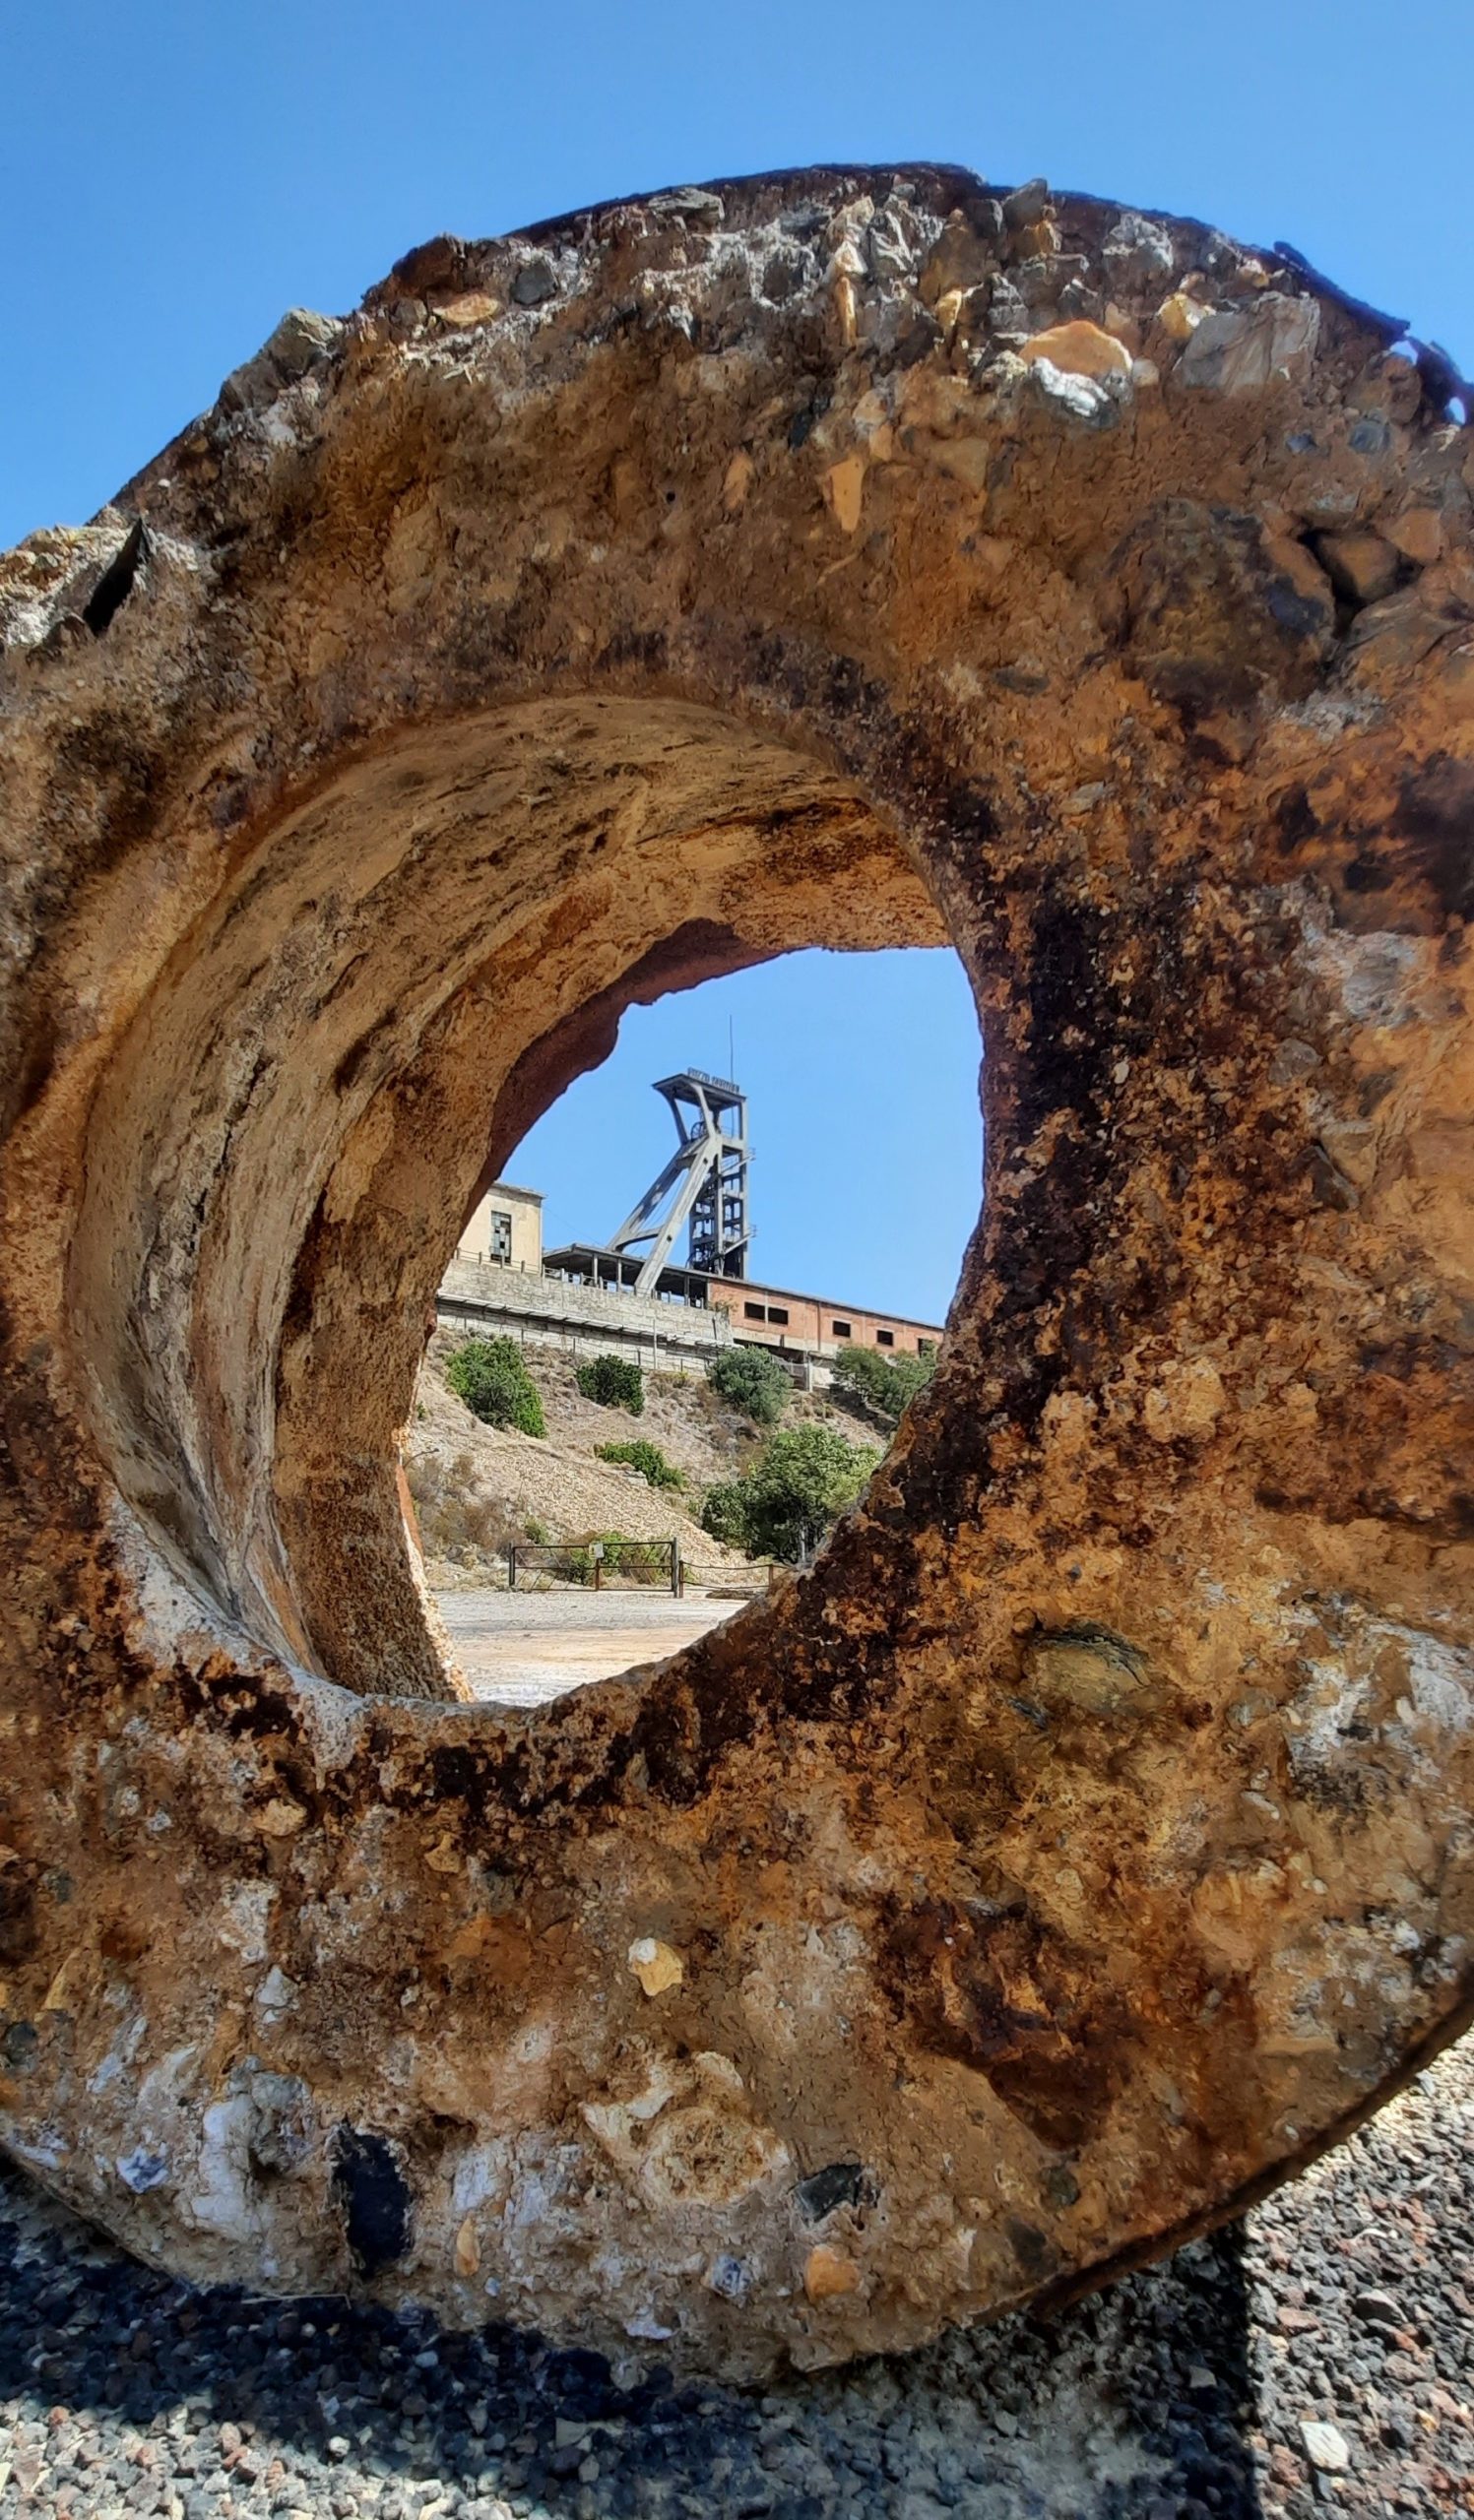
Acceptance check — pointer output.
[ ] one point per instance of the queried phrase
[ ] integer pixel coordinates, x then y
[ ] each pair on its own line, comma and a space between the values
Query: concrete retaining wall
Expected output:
578, 1321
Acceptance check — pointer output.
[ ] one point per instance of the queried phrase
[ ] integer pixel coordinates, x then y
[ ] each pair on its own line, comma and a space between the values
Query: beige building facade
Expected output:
584, 1293
505, 1229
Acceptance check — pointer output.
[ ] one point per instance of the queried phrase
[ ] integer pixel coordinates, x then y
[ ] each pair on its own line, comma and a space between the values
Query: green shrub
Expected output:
754, 1381
645, 1456
801, 1481
537, 1532
884, 1383
488, 1374
723, 1514
615, 1382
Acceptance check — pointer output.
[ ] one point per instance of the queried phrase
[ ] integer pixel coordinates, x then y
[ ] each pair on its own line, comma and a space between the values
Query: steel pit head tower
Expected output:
705, 1180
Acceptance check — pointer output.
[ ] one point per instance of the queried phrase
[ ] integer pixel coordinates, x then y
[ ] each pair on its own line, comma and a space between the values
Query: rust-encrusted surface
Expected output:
832, 559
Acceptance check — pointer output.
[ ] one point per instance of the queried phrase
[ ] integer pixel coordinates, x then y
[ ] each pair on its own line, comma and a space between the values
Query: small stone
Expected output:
887, 253
141, 2169
960, 259
339, 2446
472, 307
1326, 2448
656, 1964
1138, 250
1083, 397
1079, 349
690, 201
1238, 349
1180, 315
728, 2277
1360, 566
1379, 2309
20, 2046
1418, 535
1370, 437
844, 488
1024, 208
277, 1992
825, 2191
281, 1818
300, 341
829, 2273
468, 2248
1039, 245
535, 282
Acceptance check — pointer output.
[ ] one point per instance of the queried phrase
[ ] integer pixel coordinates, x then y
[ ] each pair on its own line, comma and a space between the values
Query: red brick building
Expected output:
776, 1318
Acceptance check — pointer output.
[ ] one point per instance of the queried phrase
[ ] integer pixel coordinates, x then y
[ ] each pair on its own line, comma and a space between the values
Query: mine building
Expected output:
632, 1294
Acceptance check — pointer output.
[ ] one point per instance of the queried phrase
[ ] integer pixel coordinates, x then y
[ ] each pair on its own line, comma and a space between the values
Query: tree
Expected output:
803, 1481
646, 1457
488, 1374
615, 1382
753, 1380
884, 1383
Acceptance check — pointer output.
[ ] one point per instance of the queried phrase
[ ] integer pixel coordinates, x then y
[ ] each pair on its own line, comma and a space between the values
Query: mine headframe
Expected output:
705, 1185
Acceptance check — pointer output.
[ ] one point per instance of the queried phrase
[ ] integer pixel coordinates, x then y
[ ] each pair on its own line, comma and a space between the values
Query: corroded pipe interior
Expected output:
291, 1137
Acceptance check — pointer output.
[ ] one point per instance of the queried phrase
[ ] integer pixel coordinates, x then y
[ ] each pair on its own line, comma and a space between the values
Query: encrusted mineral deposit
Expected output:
852, 558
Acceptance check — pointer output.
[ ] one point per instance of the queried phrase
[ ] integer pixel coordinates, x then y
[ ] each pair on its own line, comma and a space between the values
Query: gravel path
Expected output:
1335, 2325
521, 1649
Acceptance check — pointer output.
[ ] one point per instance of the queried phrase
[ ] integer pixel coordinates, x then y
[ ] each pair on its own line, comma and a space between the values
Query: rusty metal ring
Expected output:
853, 558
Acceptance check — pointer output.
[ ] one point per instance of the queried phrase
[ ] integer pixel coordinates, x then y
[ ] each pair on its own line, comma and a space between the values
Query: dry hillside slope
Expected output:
476, 1488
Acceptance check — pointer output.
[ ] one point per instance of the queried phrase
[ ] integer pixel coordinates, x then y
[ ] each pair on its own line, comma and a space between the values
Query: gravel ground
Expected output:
1333, 2326
522, 1649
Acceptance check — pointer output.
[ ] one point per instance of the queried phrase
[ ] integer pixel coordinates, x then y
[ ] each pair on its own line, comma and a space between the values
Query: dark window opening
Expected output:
778, 1312
754, 1312
499, 1226
885, 1338
841, 1328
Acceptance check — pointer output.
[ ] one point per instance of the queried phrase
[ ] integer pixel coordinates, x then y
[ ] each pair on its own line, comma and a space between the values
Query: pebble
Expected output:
1183, 2393
1326, 2447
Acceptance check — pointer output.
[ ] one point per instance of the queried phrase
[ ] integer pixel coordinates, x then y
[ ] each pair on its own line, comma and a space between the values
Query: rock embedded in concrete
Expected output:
1083, 1843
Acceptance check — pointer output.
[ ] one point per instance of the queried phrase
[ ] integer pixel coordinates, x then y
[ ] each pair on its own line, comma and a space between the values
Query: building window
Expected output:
500, 1234
754, 1312
885, 1338
925, 1347
841, 1328
778, 1312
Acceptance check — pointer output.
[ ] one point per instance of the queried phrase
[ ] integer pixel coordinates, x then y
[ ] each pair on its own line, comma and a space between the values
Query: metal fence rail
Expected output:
730, 1583
610, 1563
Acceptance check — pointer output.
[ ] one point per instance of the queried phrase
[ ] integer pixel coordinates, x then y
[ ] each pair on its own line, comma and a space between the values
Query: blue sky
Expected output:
866, 1135
177, 175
